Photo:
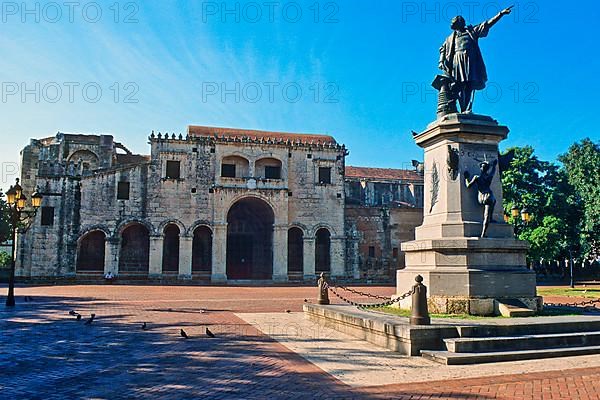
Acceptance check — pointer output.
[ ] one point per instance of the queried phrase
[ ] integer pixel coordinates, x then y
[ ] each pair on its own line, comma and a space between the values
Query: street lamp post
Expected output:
518, 223
515, 212
572, 278
17, 202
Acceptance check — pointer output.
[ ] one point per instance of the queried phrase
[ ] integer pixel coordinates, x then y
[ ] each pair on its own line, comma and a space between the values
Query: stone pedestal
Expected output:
464, 273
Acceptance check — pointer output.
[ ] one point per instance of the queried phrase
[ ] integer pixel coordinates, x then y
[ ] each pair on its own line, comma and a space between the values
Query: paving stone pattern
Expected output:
46, 354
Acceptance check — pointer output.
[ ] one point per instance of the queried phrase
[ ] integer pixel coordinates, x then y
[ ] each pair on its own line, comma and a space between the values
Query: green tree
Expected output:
582, 164
544, 189
4, 220
566, 205
4, 259
523, 180
544, 239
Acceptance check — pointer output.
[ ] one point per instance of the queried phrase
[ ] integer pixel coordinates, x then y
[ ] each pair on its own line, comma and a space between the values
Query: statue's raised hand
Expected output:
507, 10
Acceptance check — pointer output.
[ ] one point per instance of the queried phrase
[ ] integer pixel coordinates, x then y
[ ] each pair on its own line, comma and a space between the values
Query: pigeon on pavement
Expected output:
75, 314
209, 333
183, 334
89, 321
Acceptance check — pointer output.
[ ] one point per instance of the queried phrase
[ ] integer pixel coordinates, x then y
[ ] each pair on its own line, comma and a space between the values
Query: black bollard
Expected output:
420, 313
323, 291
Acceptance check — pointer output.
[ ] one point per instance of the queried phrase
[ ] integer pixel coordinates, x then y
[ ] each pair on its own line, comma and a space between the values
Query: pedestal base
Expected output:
479, 306
468, 275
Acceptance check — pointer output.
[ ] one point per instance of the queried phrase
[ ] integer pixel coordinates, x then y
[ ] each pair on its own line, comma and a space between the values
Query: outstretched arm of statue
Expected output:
469, 180
501, 14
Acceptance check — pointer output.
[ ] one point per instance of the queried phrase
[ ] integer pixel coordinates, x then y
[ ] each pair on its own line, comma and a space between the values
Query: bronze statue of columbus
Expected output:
462, 63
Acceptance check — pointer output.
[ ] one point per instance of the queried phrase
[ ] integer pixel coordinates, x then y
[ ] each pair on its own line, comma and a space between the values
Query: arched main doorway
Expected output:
250, 240
135, 250
90, 257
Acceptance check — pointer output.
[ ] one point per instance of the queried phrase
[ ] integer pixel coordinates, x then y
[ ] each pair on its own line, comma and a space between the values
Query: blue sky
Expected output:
364, 71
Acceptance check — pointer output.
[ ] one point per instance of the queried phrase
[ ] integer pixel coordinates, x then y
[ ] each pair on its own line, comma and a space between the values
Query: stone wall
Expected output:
374, 237
50, 250
93, 187
84, 196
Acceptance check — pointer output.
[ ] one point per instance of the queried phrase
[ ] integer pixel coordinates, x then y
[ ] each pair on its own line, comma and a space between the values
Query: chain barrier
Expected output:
587, 305
363, 294
387, 303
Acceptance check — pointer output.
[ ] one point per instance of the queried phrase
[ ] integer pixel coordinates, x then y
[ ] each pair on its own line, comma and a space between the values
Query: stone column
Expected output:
112, 250
280, 248
219, 253
185, 257
156, 253
338, 263
352, 249
309, 258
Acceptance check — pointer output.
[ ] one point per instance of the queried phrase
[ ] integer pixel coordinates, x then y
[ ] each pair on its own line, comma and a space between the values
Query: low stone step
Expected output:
513, 308
568, 324
449, 358
524, 342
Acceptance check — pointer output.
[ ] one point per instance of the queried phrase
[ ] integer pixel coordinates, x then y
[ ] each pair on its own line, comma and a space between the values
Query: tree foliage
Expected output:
544, 239
545, 190
4, 220
582, 164
4, 259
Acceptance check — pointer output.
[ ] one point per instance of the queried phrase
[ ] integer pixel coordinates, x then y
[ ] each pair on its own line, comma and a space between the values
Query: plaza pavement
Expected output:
264, 349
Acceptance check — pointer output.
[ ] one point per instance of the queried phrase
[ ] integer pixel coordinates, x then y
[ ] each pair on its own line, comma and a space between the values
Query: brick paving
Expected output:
567, 385
47, 354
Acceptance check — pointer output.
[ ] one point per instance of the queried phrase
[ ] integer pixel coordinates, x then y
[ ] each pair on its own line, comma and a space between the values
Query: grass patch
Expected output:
568, 292
406, 313
547, 312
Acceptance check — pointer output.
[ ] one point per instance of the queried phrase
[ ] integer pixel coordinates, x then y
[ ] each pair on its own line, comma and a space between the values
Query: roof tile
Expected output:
256, 135
383, 173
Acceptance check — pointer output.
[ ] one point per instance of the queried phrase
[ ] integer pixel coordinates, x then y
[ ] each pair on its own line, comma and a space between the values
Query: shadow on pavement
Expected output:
47, 354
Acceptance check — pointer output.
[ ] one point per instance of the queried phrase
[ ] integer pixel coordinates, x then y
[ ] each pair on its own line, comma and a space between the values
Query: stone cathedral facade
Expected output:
216, 205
